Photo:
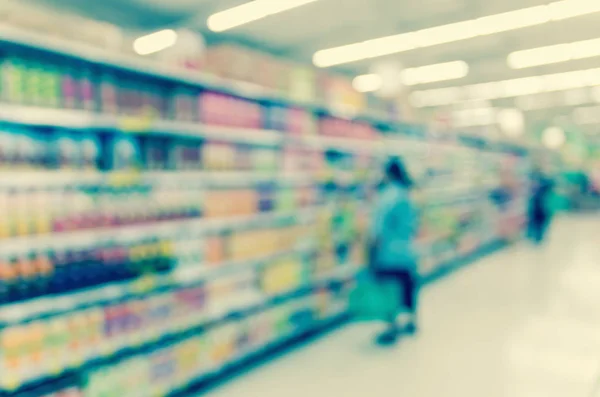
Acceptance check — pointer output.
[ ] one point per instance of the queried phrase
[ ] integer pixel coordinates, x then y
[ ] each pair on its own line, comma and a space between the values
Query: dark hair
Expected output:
396, 172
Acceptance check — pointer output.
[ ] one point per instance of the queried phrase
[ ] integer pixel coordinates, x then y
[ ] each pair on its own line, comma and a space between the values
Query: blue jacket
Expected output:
393, 229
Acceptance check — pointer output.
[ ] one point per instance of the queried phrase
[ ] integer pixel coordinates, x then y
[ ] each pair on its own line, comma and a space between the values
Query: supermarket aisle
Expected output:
521, 323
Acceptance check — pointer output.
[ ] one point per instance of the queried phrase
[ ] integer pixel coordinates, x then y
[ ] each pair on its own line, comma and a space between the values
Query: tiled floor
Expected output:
522, 323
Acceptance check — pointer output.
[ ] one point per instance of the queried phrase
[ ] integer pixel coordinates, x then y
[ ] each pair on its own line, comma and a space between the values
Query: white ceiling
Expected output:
302, 31
327, 23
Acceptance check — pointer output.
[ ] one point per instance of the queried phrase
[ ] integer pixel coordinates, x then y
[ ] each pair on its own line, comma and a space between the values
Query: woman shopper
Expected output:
393, 255
540, 206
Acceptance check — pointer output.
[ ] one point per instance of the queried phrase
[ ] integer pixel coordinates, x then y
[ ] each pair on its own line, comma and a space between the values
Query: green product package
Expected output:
286, 200
373, 299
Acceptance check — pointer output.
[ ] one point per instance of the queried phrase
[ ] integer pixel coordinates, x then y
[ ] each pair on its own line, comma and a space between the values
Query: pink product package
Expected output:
69, 91
209, 111
332, 126
297, 122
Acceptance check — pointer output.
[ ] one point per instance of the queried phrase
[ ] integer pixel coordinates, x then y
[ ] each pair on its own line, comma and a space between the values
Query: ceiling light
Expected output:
566, 9
250, 12
367, 83
512, 20
155, 42
517, 87
539, 56
389, 72
443, 34
553, 137
554, 54
433, 73
487, 25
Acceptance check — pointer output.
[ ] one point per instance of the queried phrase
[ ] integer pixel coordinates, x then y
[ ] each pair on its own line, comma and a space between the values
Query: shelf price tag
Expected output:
140, 123
124, 178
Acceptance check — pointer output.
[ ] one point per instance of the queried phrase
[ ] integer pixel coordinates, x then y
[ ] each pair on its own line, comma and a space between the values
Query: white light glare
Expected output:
511, 88
553, 137
433, 73
250, 12
155, 42
487, 25
511, 121
367, 83
554, 54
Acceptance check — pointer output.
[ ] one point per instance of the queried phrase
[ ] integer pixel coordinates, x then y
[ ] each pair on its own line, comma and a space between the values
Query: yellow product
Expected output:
283, 275
12, 350
205, 361
36, 347
22, 217
186, 356
166, 249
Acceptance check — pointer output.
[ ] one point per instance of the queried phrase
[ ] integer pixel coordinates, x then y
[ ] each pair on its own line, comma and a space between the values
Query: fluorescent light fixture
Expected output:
512, 20
155, 42
367, 83
553, 137
250, 12
433, 73
566, 9
510, 88
487, 25
554, 54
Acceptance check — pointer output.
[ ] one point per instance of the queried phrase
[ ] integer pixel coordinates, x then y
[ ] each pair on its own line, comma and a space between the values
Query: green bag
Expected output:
373, 299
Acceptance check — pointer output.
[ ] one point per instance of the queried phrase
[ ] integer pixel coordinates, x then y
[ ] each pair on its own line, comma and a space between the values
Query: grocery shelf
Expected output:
13, 385
340, 143
181, 277
193, 274
81, 119
165, 228
259, 355
15, 178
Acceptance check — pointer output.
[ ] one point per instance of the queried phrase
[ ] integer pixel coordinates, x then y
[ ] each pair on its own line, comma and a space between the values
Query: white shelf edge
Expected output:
16, 178
22, 244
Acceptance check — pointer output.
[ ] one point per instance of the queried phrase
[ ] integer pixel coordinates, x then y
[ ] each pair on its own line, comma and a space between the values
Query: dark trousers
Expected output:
538, 228
407, 284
